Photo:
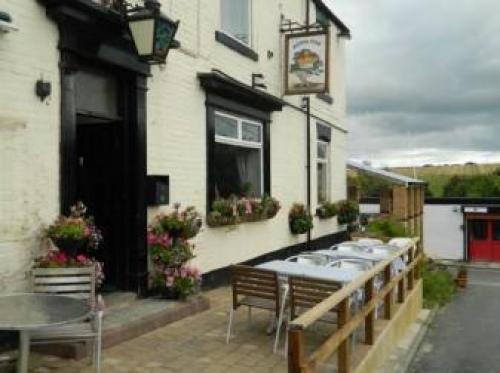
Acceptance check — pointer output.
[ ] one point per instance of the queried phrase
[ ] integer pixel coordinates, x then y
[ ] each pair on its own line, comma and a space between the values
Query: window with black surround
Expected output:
238, 137
323, 162
236, 27
238, 152
235, 19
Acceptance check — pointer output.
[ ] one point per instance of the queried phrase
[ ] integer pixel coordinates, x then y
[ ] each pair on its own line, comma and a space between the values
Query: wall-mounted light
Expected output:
6, 24
43, 89
153, 32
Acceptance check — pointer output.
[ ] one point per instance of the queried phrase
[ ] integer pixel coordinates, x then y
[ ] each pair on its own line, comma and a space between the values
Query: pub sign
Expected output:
307, 63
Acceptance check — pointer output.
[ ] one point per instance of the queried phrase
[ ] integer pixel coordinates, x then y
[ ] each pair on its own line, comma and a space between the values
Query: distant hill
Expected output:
438, 176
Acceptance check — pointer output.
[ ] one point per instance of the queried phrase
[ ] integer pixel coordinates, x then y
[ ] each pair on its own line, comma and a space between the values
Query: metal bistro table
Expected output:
27, 312
285, 268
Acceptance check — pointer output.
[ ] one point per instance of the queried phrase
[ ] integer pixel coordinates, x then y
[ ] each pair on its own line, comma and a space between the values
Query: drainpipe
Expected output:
306, 104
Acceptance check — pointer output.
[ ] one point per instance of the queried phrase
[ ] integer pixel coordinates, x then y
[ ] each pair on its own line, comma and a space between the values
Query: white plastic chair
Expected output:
77, 283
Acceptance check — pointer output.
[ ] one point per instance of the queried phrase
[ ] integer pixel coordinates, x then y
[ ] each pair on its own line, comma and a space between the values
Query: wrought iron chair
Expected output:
78, 283
255, 288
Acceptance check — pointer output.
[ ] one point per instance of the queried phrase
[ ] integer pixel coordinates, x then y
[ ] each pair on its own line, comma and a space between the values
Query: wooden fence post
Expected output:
295, 350
411, 272
344, 361
388, 297
370, 318
401, 288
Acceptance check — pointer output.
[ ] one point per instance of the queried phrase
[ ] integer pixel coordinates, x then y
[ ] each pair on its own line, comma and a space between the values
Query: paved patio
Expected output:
194, 344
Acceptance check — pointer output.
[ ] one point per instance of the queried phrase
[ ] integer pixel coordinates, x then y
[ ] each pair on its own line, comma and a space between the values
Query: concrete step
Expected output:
119, 300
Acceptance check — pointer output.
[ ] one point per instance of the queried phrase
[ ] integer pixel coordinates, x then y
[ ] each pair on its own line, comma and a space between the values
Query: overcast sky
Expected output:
423, 80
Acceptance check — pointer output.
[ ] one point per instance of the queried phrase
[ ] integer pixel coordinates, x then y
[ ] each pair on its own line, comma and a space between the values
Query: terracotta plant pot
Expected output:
461, 281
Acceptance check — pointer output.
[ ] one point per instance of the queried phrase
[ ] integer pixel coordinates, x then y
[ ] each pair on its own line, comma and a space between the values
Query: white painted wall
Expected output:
369, 208
29, 138
176, 125
29, 130
443, 234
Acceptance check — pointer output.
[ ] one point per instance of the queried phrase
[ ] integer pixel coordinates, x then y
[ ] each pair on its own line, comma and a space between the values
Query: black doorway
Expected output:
101, 186
95, 51
103, 164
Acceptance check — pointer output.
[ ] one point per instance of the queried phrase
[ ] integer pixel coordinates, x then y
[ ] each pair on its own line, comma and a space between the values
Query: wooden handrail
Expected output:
314, 314
300, 363
324, 351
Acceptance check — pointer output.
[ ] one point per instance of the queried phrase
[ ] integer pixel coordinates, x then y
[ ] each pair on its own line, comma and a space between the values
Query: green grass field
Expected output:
438, 176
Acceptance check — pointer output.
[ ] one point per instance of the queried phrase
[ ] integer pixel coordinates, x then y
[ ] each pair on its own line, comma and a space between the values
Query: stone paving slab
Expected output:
195, 344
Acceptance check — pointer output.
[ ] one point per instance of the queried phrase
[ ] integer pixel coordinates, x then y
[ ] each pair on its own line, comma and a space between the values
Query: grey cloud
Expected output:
425, 73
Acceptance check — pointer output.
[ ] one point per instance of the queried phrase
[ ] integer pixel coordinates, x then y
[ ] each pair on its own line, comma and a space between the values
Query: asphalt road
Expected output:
465, 335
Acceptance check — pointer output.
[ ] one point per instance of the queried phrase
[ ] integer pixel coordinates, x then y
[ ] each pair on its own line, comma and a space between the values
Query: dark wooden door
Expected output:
100, 185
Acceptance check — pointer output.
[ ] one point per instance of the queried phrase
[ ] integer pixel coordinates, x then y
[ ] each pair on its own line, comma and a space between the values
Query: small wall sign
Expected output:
476, 209
307, 63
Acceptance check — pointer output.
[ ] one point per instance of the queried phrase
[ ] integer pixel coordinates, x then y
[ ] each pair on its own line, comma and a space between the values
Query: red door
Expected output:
495, 230
480, 242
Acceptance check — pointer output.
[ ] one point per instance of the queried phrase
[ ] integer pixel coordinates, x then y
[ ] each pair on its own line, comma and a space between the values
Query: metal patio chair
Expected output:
77, 283
309, 258
256, 288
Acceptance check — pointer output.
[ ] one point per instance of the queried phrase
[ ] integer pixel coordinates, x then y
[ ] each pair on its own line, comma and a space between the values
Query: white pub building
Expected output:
83, 116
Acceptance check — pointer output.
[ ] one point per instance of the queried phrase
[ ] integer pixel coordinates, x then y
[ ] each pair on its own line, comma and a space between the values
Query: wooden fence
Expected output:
347, 324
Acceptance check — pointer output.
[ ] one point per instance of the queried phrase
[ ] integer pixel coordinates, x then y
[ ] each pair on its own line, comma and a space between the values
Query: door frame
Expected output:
135, 167
489, 218
96, 34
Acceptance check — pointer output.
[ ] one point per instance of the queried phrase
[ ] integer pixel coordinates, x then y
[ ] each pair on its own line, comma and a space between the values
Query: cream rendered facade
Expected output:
176, 130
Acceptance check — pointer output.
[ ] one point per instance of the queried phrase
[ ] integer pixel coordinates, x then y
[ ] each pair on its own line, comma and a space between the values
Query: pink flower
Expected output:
170, 281
81, 259
184, 272
248, 207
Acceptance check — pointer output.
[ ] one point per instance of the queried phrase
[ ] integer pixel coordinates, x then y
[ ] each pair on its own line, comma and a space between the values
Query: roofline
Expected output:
393, 177
344, 30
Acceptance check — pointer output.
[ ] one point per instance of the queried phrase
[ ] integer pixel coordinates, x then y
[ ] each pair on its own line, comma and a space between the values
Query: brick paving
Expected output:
194, 344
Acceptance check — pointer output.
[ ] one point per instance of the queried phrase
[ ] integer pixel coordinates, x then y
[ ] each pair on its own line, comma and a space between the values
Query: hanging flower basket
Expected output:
75, 234
299, 219
327, 210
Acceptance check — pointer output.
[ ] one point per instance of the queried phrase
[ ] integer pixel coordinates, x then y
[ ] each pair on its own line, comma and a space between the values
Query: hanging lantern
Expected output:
153, 33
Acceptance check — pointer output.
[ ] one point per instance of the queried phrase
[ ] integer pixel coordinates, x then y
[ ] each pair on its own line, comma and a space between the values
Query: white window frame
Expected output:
250, 28
327, 162
244, 143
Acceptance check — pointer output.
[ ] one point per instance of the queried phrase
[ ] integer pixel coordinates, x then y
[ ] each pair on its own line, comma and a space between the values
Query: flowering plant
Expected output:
326, 210
299, 219
167, 254
180, 282
59, 259
233, 211
348, 212
170, 250
75, 233
184, 224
